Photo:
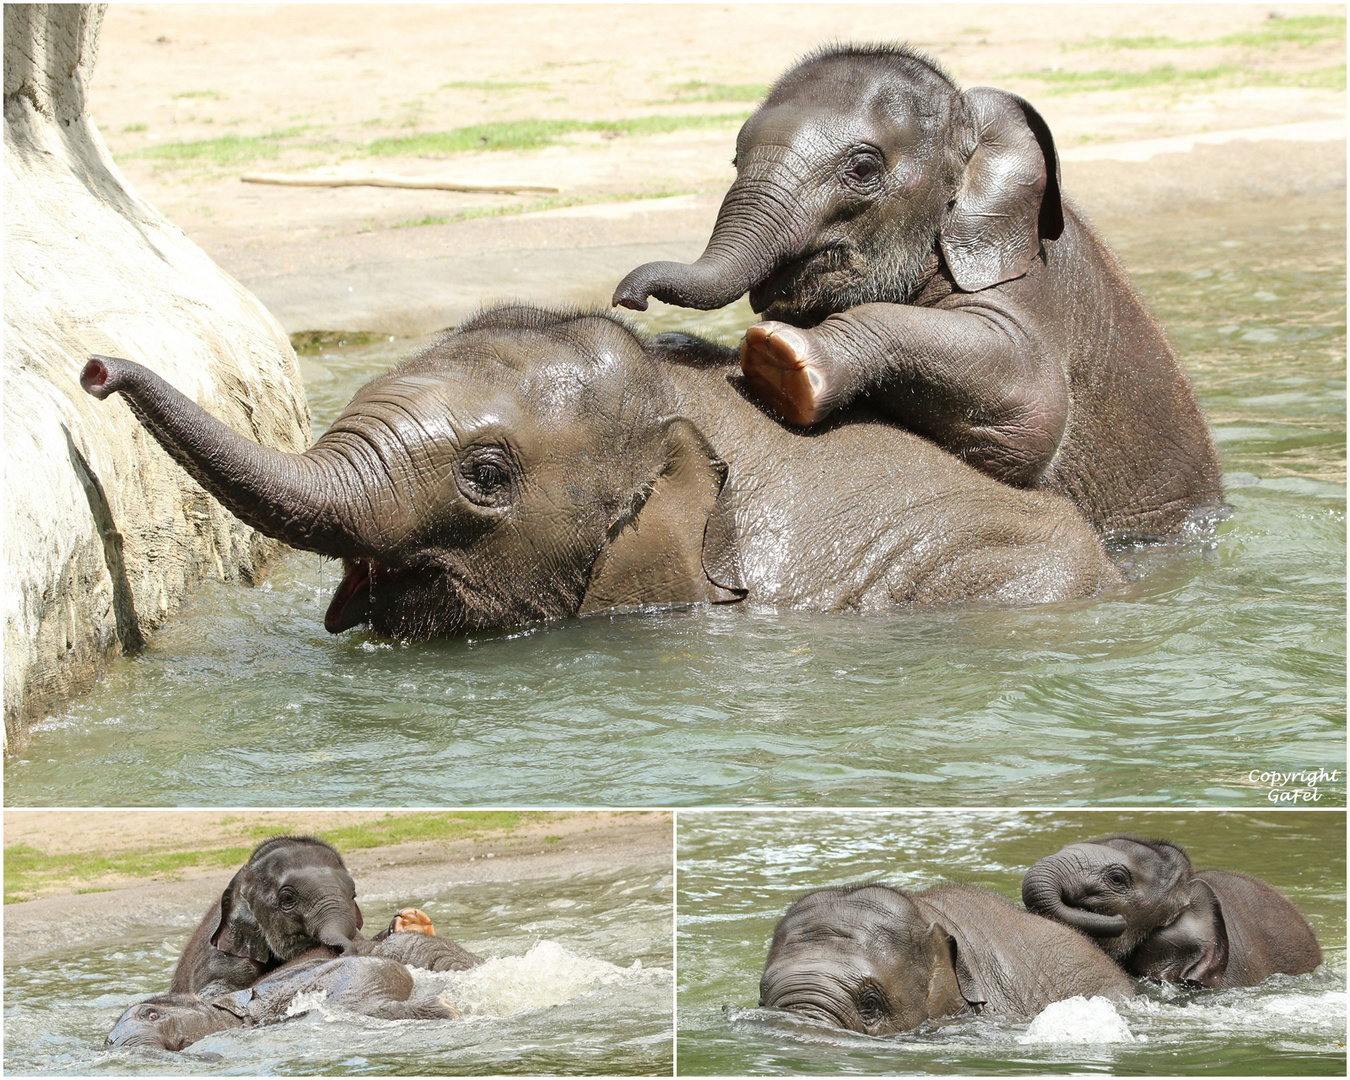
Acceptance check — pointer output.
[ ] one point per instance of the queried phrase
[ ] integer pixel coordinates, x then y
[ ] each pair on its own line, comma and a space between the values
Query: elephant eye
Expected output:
151, 1014
1117, 877
871, 1004
287, 897
863, 170
485, 476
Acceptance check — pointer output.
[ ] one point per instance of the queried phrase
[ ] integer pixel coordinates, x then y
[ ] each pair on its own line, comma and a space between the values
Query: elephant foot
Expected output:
785, 370
413, 920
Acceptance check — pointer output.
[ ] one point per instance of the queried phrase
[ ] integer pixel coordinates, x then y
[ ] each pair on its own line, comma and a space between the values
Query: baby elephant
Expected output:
370, 985
907, 245
873, 959
292, 895
1153, 913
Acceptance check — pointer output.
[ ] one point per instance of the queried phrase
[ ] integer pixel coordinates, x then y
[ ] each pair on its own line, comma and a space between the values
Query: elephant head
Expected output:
522, 468
170, 1022
860, 166
865, 958
293, 894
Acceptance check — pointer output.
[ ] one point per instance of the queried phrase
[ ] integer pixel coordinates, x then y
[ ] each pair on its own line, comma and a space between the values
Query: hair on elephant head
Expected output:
877, 960
860, 164
1146, 906
292, 895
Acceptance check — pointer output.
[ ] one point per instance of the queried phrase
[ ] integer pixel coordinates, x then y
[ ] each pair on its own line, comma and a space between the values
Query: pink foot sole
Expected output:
413, 920
775, 358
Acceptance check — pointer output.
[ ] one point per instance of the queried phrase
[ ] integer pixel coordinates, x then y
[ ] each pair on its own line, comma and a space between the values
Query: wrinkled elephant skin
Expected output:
908, 246
538, 465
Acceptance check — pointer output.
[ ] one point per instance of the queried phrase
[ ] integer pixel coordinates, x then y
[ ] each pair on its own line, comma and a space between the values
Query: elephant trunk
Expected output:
1043, 894
758, 228
295, 498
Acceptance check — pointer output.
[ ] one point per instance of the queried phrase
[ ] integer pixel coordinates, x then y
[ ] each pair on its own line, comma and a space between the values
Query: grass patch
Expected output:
29, 872
534, 134
1169, 77
493, 86
213, 94
1301, 30
703, 91
134, 127
226, 150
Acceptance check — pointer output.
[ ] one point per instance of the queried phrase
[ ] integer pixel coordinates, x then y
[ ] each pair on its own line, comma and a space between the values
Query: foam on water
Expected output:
548, 974
1078, 1020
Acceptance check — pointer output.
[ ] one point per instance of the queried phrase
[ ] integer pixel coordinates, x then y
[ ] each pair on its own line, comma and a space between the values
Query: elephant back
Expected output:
1021, 961
1267, 934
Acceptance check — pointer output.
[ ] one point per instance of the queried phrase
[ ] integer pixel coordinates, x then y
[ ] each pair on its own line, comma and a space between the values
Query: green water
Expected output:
1222, 660
578, 981
739, 870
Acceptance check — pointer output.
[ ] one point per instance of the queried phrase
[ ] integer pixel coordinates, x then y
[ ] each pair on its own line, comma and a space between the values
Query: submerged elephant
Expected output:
908, 246
1151, 911
371, 985
876, 960
536, 465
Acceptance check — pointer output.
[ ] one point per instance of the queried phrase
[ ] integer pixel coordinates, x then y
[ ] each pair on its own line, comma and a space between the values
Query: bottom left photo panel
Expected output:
338, 942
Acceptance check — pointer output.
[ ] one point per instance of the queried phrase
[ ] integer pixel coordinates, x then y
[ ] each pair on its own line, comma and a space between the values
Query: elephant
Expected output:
371, 985
292, 896
535, 465
1148, 909
873, 959
907, 245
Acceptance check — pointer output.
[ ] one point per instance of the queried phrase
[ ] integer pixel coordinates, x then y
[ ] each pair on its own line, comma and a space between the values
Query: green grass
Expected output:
1169, 77
134, 127
493, 86
198, 94
27, 869
1302, 30
226, 150
703, 91
534, 134
29, 872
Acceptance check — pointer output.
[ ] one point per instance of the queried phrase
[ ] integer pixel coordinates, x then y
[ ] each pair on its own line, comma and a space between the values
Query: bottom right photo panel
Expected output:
1147, 942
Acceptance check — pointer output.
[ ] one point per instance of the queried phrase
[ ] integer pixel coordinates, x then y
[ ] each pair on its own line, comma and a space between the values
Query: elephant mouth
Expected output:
350, 605
781, 289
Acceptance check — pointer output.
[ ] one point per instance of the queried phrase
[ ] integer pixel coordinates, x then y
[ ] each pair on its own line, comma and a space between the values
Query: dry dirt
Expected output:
331, 80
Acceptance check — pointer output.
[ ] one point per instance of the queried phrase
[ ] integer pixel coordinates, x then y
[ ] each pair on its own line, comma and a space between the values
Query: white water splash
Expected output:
1078, 1020
547, 974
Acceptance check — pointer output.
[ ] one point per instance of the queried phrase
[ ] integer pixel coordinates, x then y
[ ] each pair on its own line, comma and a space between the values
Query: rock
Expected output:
103, 534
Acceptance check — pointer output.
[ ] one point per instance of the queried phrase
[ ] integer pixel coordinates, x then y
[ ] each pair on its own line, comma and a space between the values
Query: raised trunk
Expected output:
295, 498
757, 228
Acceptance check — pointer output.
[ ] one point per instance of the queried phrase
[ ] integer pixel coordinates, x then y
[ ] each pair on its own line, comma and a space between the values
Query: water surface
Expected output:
577, 980
739, 871
1223, 659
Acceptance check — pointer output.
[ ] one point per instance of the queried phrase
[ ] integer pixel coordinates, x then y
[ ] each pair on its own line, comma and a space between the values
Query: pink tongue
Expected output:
351, 603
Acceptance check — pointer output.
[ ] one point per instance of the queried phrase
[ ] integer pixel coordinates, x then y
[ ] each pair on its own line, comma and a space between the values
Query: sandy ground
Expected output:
386, 877
322, 84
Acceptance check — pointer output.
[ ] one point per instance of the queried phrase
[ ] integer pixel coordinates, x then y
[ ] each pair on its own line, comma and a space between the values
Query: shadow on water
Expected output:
1218, 663
739, 871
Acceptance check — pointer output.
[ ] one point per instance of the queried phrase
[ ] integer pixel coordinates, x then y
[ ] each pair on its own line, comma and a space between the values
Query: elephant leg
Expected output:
413, 921
787, 369
423, 1008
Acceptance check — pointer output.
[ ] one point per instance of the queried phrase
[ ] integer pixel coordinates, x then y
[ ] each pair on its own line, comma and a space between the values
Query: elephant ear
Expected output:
952, 983
675, 543
1009, 197
1210, 960
238, 933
